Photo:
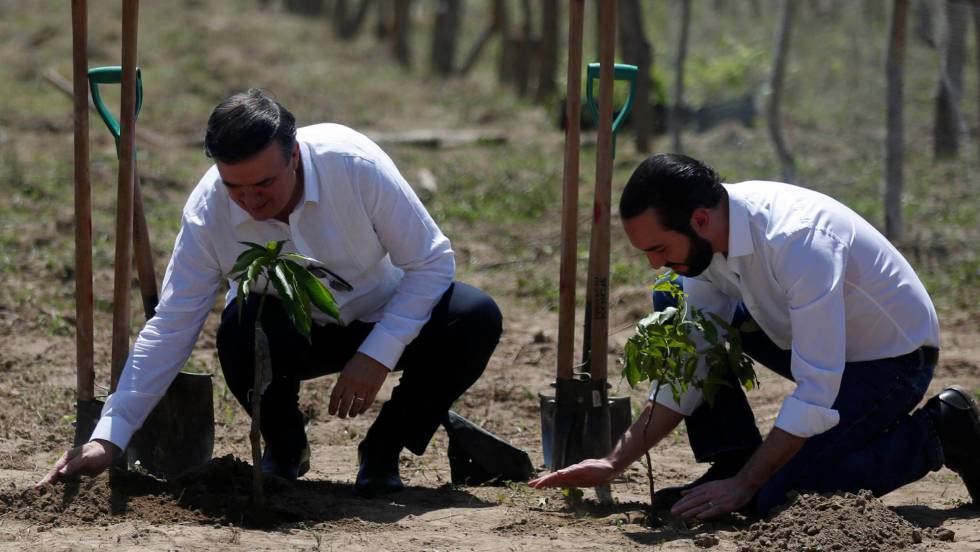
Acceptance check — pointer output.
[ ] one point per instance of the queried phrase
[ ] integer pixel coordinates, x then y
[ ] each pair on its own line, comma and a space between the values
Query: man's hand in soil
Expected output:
92, 458
587, 473
359, 383
713, 499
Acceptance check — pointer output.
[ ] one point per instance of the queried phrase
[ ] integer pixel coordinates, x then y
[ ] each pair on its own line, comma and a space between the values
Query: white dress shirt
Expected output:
822, 283
358, 217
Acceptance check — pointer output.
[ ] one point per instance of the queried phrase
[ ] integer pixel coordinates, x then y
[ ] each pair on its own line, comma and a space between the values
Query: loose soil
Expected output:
209, 508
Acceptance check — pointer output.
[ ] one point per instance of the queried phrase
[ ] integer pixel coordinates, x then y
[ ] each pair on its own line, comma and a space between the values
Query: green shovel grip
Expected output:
621, 72
112, 75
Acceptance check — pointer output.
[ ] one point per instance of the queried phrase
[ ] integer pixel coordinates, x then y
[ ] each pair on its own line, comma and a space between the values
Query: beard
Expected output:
699, 257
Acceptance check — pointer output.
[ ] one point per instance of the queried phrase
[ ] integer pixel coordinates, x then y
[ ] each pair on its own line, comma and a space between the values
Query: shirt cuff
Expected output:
383, 347
804, 419
113, 429
689, 402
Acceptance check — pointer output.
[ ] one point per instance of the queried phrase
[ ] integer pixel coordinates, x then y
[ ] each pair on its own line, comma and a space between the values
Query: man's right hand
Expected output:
587, 473
92, 458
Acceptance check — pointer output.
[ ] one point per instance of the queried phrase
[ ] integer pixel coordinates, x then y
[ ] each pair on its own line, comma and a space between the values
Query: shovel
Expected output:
179, 433
478, 457
581, 421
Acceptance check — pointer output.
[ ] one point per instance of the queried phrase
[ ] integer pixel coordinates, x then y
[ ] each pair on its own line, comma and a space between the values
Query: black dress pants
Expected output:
445, 359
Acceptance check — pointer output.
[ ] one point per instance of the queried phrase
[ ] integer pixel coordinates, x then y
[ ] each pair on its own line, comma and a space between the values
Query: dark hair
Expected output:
245, 124
673, 185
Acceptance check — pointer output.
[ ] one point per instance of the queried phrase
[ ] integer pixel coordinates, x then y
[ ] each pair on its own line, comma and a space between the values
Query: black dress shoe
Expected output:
290, 470
722, 469
957, 418
377, 473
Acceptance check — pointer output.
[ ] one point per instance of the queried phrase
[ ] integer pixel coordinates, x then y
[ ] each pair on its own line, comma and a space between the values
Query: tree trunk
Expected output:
444, 36
924, 27
505, 68
496, 23
382, 25
399, 39
304, 7
952, 52
780, 53
676, 115
548, 52
345, 26
637, 51
976, 30
524, 54
894, 141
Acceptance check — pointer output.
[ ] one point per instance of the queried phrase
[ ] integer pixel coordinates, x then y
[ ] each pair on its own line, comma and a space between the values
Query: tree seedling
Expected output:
300, 291
668, 345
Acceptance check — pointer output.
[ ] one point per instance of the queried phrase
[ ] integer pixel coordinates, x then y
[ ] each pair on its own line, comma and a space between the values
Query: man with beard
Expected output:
819, 296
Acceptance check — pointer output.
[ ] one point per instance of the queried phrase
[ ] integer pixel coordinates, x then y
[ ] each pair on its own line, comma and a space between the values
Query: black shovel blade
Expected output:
87, 414
179, 434
478, 457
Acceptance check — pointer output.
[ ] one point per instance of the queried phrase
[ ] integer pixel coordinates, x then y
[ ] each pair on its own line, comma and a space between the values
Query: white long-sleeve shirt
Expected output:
822, 283
358, 217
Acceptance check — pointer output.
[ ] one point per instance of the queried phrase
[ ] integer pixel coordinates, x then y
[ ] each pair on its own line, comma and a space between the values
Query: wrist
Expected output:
109, 447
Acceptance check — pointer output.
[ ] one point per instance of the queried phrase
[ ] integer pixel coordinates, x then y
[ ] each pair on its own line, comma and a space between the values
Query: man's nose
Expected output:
656, 260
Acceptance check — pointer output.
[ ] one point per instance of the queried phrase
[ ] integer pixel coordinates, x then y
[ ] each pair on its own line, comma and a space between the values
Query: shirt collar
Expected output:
311, 191
739, 237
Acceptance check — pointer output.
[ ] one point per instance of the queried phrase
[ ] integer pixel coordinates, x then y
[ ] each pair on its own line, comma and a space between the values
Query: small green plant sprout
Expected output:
299, 291
298, 288
669, 344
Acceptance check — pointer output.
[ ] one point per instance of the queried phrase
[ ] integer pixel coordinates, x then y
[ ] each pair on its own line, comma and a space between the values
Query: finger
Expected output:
335, 395
711, 510
550, 480
53, 474
346, 400
686, 506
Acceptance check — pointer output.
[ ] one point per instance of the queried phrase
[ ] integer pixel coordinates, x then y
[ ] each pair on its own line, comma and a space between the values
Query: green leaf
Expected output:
245, 281
246, 259
303, 258
280, 280
254, 245
318, 293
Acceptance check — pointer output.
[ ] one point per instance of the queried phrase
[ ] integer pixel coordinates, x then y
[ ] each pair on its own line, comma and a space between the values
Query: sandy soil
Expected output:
208, 509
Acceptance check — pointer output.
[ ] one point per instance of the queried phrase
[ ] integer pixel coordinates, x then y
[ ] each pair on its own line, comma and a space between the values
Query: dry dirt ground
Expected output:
207, 511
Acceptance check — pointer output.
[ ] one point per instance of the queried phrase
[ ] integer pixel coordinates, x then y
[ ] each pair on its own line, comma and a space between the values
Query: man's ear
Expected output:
700, 220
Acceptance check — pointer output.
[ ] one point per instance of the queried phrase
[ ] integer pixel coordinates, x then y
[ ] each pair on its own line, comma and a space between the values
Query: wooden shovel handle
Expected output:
124, 196
599, 246
569, 204
84, 347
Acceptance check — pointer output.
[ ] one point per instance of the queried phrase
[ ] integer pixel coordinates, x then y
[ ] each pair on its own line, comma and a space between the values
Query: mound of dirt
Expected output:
218, 492
839, 521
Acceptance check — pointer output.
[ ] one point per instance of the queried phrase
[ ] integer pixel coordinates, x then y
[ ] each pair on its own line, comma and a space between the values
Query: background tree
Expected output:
401, 23
348, 26
676, 114
950, 123
496, 27
894, 141
777, 76
548, 50
637, 51
444, 36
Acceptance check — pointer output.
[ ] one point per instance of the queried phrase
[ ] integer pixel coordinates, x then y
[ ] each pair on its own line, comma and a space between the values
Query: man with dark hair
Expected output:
336, 197
819, 296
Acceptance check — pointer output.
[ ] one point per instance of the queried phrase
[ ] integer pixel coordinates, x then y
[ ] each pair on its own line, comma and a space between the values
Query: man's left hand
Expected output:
359, 383
713, 499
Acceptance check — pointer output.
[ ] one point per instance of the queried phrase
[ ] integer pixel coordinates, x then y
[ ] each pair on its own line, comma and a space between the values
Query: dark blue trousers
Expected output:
444, 360
879, 444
